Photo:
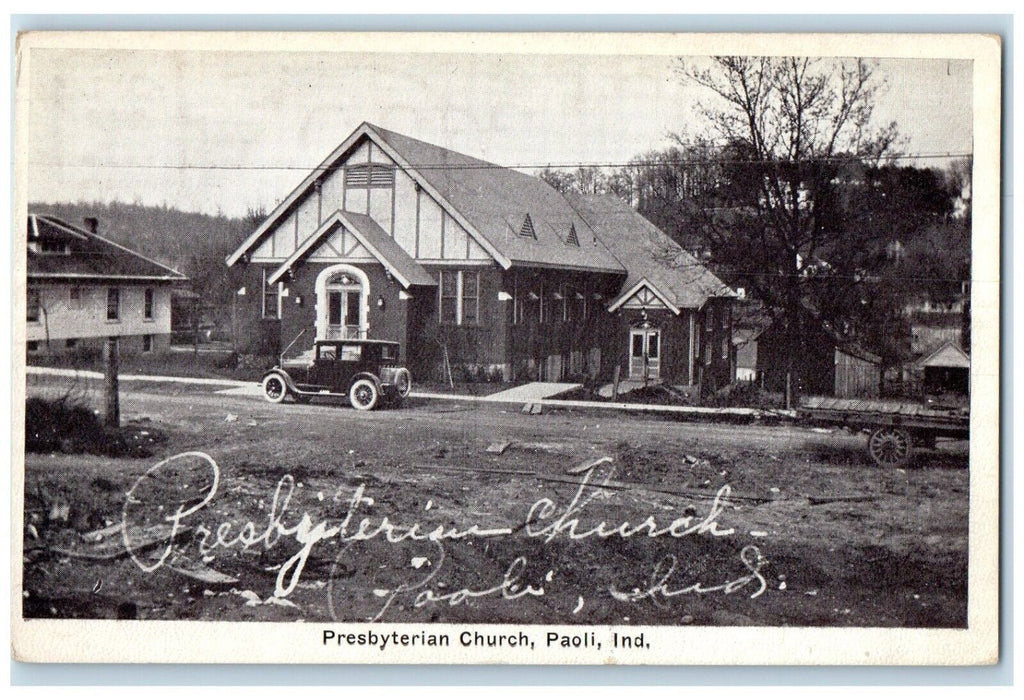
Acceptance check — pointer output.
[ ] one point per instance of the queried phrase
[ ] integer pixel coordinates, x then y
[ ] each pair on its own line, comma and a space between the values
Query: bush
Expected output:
60, 425
68, 425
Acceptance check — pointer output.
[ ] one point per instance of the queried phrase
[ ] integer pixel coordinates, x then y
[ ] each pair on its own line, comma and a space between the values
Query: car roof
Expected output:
358, 342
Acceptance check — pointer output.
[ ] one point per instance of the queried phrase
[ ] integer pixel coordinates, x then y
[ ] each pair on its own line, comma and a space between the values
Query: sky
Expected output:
223, 132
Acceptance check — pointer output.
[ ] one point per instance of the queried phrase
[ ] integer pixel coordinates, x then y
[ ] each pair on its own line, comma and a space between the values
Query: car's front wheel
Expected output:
274, 389
364, 395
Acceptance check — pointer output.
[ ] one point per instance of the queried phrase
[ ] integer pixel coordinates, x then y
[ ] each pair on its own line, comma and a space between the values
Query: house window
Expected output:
470, 297
147, 343
113, 304
52, 247
71, 343
34, 305
33, 345
271, 297
459, 297
449, 297
75, 298
147, 307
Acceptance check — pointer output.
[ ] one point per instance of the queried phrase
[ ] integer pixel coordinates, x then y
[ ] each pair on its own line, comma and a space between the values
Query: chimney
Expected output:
92, 224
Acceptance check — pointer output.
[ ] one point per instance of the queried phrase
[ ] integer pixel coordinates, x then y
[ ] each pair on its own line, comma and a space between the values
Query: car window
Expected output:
351, 352
328, 352
389, 352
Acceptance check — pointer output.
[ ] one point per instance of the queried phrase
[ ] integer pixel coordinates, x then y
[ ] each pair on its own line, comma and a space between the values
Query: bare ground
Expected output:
808, 533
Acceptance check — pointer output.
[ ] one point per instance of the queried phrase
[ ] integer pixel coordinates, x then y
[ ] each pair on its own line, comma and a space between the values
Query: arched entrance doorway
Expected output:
342, 303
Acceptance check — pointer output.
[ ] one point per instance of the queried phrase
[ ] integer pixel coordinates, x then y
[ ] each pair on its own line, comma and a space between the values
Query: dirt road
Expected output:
321, 512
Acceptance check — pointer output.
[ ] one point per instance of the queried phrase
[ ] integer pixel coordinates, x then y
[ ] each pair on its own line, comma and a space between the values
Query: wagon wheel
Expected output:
274, 389
363, 395
890, 446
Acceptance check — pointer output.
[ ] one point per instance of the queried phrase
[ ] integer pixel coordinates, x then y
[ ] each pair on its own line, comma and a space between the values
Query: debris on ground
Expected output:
497, 448
588, 465
199, 572
140, 538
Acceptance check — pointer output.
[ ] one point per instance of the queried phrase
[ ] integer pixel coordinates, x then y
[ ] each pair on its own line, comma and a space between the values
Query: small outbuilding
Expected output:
824, 365
946, 370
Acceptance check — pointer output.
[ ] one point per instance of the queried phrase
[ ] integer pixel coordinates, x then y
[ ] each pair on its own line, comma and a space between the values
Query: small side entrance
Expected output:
644, 354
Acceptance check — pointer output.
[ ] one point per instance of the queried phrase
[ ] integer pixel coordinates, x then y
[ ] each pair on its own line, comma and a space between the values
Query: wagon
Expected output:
895, 428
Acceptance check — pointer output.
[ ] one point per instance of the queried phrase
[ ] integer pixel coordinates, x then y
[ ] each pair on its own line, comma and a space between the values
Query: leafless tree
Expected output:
791, 129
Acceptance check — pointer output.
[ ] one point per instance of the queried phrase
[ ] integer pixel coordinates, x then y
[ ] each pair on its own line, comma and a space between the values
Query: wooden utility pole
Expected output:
113, 413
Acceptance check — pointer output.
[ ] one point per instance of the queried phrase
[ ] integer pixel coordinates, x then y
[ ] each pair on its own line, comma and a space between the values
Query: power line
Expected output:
639, 163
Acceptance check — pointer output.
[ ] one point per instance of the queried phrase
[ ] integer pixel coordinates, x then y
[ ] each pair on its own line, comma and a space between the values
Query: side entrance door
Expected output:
644, 354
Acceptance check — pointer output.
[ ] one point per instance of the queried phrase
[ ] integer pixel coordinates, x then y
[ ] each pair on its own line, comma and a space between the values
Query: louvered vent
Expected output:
573, 239
370, 175
527, 229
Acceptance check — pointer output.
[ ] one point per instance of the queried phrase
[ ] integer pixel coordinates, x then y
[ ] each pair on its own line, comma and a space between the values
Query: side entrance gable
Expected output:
642, 295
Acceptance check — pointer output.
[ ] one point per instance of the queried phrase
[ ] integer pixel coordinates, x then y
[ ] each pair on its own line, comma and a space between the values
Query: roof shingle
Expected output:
648, 253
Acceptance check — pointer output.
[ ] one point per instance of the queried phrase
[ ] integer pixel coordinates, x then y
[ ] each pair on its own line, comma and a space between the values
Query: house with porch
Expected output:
83, 288
480, 269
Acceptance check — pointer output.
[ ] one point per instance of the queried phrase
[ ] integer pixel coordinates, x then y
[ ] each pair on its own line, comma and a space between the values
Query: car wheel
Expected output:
364, 395
403, 382
274, 389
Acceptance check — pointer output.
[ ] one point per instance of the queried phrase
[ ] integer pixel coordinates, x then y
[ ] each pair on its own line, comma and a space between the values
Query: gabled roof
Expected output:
375, 239
648, 254
949, 354
490, 201
90, 256
643, 283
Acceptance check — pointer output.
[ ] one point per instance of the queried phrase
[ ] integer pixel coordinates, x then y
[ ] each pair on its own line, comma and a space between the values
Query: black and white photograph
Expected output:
644, 349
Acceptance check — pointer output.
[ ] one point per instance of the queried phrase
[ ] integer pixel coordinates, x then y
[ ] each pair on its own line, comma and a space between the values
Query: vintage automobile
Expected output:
366, 371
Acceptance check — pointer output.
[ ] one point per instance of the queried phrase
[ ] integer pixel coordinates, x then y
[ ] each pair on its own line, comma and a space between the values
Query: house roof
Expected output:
375, 239
948, 354
90, 256
490, 201
648, 254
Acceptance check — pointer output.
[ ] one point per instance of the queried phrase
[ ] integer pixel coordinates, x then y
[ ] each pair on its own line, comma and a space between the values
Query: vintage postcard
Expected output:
531, 349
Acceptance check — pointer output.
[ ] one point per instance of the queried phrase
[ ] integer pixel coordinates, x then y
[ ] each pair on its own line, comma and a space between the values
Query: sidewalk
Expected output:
238, 388
59, 372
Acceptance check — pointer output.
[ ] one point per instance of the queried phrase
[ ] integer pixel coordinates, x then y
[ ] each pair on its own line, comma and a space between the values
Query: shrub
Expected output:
68, 425
60, 424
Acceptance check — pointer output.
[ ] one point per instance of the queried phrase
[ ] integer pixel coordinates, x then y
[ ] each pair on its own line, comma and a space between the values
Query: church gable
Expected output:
362, 177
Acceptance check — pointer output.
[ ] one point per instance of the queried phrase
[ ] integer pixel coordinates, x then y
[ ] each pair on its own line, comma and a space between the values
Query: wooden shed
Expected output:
825, 364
